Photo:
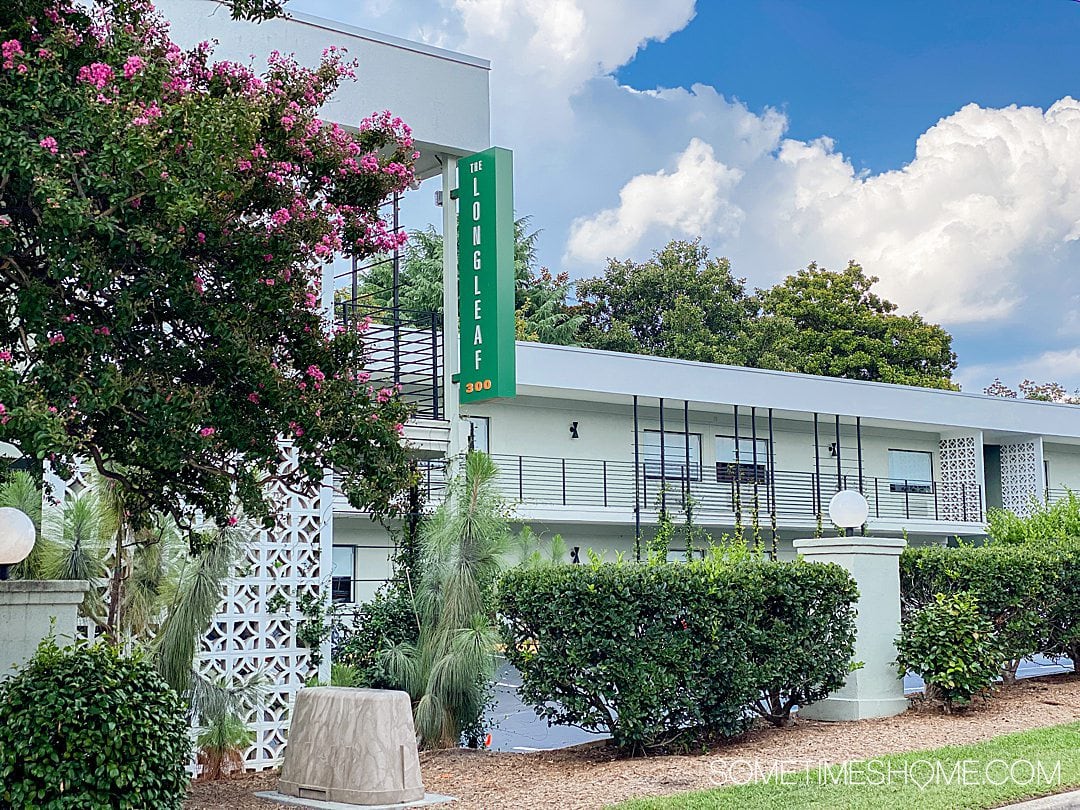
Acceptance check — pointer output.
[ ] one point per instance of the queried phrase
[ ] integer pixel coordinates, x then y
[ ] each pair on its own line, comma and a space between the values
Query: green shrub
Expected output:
1063, 608
86, 727
951, 644
1045, 521
372, 628
662, 652
802, 633
1014, 587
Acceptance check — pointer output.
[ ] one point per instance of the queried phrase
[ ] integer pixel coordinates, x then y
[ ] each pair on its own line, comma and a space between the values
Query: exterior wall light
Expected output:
573, 431
17, 536
848, 509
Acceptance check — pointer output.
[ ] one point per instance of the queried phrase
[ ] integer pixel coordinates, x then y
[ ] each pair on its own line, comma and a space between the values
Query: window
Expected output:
674, 450
341, 576
911, 471
477, 437
752, 465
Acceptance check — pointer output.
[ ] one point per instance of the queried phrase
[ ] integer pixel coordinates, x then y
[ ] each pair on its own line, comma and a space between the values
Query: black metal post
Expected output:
858, 441
637, 486
737, 485
839, 472
435, 381
817, 468
521, 480
753, 454
663, 462
605, 482
771, 484
564, 482
686, 431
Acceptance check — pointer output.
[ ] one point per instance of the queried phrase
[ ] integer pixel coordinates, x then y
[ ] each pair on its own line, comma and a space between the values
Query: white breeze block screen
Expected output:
245, 638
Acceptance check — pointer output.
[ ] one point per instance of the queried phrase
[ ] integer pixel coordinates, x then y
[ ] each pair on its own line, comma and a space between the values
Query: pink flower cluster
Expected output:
207, 432
11, 49
146, 114
133, 66
49, 144
96, 75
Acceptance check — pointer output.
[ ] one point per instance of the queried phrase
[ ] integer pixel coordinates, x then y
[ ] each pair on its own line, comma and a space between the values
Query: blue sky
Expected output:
935, 142
872, 75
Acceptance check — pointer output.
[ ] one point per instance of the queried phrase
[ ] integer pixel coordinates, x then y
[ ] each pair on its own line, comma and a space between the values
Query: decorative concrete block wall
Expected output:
961, 476
246, 638
1022, 476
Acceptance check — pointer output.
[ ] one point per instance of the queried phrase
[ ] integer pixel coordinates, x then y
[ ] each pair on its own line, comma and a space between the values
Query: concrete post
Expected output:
874, 690
32, 609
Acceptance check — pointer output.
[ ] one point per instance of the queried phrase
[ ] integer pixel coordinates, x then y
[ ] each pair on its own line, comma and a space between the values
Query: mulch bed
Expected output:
594, 776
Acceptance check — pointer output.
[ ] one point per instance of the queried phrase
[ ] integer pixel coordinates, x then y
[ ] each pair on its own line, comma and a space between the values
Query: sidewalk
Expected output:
1062, 801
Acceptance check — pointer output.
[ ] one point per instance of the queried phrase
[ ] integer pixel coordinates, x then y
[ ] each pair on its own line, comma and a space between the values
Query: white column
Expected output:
450, 304
875, 689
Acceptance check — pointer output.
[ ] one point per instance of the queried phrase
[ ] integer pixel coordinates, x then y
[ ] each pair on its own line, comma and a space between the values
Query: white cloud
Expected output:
544, 51
956, 231
690, 201
981, 227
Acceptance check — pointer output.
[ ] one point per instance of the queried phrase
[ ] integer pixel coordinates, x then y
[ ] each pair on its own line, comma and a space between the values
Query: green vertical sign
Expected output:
486, 275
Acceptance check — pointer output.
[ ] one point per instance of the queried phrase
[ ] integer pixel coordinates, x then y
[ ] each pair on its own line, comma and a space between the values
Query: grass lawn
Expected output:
950, 778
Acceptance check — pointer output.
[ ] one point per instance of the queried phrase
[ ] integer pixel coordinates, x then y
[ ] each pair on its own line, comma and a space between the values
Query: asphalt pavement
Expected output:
516, 726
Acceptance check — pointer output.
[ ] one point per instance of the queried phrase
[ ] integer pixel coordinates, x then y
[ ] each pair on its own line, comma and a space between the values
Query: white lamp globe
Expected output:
848, 509
17, 535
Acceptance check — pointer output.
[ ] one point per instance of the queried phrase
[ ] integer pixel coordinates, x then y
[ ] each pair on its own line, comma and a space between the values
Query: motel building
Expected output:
591, 445
595, 443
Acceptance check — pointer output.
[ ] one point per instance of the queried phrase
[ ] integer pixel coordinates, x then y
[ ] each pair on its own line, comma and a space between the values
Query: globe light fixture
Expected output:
17, 535
848, 509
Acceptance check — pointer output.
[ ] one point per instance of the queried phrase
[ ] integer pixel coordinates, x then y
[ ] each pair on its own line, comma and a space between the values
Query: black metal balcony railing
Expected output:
403, 348
532, 480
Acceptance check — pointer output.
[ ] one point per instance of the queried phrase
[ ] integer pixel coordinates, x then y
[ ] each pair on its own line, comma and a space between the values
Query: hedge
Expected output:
1030, 593
658, 653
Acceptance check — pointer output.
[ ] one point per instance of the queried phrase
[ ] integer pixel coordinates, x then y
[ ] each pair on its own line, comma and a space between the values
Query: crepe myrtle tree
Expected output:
163, 222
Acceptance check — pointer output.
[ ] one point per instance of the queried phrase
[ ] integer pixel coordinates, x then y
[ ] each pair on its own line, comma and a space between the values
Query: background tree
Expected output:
1044, 392
540, 298
163, 218
680, 303
826, 322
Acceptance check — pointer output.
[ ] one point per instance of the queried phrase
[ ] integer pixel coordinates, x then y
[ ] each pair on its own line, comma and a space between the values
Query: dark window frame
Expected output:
745, 471
654, 466
910, 487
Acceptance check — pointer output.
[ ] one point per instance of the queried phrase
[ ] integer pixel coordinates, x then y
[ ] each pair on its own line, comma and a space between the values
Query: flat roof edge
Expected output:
387, 39
793, 375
